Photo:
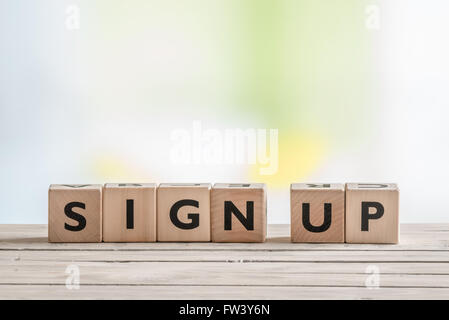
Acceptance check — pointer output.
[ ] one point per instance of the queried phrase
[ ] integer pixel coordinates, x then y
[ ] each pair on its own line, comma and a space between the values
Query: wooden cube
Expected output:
372, 213
317, 212
74, 213
129, 212
183, 212
239, 212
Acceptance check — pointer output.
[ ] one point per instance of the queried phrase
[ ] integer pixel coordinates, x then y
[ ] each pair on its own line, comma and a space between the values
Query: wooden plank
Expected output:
211, 274
216, 292
227, 256
296, 267
34, 237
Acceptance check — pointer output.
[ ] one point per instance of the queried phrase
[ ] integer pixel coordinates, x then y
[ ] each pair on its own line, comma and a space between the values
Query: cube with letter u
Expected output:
317, 212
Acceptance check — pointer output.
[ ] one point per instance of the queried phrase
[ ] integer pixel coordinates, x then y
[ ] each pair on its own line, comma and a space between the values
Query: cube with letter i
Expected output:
317, 212
239, 212
372, 213
129, 212
75, 213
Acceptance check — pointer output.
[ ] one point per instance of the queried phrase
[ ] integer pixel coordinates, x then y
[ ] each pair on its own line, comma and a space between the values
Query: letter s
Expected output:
75, 216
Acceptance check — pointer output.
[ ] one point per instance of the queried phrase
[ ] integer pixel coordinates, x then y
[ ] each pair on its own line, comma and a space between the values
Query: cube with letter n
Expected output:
238, 212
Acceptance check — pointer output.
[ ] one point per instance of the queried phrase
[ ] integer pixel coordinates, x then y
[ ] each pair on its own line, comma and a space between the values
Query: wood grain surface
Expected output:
417, 268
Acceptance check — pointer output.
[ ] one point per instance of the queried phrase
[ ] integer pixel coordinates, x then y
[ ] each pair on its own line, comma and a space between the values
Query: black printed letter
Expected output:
306, 218
129, 214
75, 216
194, 217
247, 222
366, 215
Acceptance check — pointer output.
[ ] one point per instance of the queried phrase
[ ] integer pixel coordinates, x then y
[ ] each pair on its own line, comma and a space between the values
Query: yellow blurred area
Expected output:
300, 154
111, 168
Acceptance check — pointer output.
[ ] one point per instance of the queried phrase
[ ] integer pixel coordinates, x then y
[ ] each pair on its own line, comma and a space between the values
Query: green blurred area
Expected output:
301, 66
291, 64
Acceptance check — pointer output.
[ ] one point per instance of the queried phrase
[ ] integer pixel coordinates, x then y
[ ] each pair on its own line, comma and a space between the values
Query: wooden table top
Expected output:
417, 268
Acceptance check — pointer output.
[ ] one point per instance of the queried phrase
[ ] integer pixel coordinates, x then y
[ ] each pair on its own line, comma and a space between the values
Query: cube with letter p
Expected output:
372, 213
